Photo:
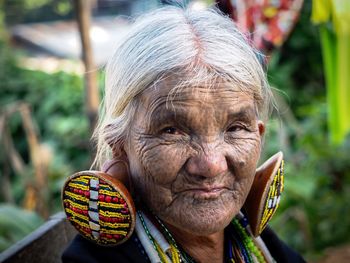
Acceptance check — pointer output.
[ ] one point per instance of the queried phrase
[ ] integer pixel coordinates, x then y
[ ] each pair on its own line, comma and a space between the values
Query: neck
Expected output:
209, 248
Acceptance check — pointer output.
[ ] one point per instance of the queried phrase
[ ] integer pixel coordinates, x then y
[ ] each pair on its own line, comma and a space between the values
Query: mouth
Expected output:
205, 193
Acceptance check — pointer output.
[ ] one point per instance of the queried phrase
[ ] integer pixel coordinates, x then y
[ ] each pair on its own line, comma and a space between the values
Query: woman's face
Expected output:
193, 158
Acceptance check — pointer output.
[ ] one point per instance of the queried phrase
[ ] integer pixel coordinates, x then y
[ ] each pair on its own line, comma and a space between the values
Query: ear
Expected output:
264, 196
261, 127
118, 167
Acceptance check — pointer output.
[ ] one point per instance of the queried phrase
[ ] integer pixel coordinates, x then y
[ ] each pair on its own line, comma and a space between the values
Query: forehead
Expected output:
169, 94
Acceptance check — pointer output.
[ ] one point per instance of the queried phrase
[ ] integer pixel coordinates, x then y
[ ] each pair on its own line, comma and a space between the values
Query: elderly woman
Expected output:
185, 103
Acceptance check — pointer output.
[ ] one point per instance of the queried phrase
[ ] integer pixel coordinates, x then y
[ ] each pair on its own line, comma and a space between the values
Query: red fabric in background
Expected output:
267, 23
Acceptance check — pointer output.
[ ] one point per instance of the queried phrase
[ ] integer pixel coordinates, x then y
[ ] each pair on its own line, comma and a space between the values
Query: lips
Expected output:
205, 192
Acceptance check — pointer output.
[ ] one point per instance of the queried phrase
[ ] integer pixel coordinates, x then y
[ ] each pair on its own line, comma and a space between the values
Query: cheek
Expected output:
243, 159
244, 153
162, 162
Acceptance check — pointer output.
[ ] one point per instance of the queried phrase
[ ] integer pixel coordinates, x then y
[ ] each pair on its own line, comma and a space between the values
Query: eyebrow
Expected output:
166, 114
160, 114
244, 113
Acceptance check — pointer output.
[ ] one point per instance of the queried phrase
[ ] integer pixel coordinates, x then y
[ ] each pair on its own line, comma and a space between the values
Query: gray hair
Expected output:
198, 47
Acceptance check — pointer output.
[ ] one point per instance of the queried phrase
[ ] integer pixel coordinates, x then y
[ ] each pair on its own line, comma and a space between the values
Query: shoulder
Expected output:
82, 250
278, 249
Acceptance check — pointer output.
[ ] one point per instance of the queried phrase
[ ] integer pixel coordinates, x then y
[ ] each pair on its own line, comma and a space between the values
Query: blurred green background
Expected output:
44, 111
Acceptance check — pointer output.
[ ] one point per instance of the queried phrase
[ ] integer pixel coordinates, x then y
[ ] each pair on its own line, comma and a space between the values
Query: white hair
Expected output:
197, 47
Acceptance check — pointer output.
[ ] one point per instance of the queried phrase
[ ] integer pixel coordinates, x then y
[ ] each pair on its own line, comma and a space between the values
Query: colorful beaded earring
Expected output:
264, 196
100, 207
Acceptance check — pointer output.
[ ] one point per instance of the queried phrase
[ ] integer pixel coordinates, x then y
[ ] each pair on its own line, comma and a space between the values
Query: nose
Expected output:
208, 163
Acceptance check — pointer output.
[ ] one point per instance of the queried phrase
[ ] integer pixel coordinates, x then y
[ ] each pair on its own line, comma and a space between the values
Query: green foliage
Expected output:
334, 19
315, 212
57, 105
56, 102
15, 223
23, 11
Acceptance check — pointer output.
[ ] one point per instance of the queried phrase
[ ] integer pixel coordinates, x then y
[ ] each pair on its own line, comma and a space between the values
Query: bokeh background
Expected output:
48, 106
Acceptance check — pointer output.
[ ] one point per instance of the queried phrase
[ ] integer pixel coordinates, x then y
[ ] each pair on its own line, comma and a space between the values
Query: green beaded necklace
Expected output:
241, 247
246, 240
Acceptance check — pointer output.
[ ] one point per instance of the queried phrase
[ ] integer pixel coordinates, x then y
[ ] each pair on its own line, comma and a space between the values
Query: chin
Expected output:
207, 226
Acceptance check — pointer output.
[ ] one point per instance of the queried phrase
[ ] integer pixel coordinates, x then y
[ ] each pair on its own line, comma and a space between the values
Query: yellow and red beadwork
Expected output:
273, 197
97, 209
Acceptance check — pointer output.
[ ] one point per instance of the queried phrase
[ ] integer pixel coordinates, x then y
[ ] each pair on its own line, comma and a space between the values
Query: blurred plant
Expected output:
56, 104
36, 190
333, 16
314, 212
15, 223
21, 11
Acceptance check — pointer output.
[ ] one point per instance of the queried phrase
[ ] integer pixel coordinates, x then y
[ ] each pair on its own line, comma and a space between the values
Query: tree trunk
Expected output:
83, 10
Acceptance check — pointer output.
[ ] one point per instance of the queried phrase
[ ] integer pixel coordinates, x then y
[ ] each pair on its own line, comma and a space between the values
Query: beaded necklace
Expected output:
240, 245
173, 252
244, 241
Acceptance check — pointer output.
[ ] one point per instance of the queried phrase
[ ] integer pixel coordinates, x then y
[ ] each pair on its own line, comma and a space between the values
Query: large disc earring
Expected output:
100, 207
264, 196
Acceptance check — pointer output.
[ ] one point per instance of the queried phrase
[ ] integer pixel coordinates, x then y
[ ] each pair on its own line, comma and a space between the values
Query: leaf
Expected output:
16, 223
321, 11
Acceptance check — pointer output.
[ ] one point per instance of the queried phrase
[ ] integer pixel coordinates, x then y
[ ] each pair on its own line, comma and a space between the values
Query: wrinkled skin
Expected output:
193, 159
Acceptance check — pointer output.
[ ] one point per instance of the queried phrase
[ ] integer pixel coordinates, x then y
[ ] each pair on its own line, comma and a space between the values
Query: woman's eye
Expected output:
170, 130
235, 128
